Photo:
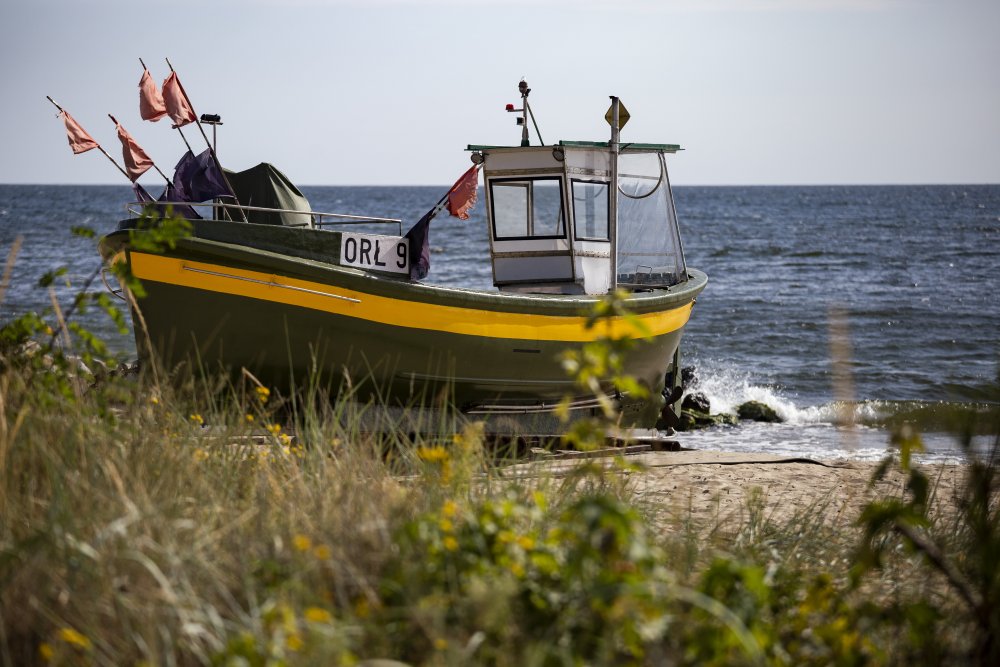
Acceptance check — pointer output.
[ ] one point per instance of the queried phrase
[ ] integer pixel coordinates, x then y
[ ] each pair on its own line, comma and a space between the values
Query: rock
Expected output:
758, 412
695, 419
77, 366
725, 419
696, 401
688, 377
100, 369
29, 349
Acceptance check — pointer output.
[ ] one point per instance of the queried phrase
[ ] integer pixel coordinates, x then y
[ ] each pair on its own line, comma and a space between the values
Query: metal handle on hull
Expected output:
114, 292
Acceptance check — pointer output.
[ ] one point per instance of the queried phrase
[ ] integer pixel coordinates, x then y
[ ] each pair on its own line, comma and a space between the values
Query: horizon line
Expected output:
675, 185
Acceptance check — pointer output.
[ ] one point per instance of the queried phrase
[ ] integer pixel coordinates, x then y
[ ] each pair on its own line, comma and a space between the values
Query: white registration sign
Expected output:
373, 251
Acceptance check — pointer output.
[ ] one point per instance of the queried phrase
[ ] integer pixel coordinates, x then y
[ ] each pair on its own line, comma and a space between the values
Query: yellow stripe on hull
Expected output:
395, 312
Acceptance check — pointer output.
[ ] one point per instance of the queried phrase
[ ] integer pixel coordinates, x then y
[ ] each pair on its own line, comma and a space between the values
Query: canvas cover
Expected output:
267, 187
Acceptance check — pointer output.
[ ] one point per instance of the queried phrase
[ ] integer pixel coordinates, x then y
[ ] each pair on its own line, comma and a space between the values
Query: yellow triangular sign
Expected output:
623, 115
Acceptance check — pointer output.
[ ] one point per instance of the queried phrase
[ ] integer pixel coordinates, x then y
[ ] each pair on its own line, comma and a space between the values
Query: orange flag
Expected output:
137, 162
176, 101
79, 140
462, 196
151, 105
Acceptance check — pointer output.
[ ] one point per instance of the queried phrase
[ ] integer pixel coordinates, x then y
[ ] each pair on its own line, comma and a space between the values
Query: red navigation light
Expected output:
510, 107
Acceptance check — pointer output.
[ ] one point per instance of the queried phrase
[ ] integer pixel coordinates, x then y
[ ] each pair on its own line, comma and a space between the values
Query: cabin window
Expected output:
527, 208
590, 210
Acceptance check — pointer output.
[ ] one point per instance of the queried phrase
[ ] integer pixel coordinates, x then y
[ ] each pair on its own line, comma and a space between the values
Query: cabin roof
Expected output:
623, 147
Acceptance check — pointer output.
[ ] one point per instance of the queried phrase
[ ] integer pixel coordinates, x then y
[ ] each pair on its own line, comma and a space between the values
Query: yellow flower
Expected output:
154, 400
450, 543
197, 419
318, 615
45, 651
200, 455
526, 543
435, 454
440, 644
539, 498
322, 552
284, 438
293, 642
446, 525
449, 509
263, 393
249, 419
74, 638
301, 542
273, 429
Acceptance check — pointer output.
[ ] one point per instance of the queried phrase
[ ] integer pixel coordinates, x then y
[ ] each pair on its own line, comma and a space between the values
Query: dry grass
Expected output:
147, 525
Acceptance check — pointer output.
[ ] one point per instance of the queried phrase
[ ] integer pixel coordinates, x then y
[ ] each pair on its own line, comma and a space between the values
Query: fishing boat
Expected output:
292, 295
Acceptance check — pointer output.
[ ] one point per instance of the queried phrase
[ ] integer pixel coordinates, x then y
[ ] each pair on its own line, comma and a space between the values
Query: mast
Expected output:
613, 203
523, 87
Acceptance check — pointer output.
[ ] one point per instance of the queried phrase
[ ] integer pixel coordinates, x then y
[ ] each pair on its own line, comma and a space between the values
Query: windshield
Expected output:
649, 247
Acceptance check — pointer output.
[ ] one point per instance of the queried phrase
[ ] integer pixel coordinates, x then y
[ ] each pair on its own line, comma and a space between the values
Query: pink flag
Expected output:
462, 196
151, 106
176, 101
137, 162
79, 140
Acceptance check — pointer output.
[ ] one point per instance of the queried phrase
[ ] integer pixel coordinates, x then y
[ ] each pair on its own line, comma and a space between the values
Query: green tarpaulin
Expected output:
266, 187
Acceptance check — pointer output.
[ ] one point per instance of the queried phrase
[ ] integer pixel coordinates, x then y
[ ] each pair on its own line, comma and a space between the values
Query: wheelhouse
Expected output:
581, 217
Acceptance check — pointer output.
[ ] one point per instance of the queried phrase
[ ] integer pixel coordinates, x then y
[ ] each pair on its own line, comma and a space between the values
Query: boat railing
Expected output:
316, 218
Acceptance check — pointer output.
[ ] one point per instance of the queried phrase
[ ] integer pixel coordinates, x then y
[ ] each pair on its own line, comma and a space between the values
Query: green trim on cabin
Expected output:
668, 148
486, 147
625, 146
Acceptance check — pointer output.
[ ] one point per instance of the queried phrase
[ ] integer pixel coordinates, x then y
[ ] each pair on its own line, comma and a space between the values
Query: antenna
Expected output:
525, 111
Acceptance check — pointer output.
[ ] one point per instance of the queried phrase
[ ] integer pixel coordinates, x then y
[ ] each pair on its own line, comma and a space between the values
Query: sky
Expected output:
390, 92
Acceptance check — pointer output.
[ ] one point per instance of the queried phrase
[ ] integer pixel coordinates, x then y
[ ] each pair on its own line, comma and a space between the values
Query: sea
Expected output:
844, 308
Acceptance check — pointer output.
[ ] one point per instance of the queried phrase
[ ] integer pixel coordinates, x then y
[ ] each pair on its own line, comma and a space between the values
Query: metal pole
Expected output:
613, 208
209, 144
115, 121
534, 122
99, 147
183, 138
523, 87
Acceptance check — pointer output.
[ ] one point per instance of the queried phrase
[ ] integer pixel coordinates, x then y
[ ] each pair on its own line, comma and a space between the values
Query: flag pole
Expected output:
209, 144
115, 121
99, 147
183, 138
441, 202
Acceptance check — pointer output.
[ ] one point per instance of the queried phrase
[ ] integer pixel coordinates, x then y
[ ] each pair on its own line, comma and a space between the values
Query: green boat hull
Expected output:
274, 301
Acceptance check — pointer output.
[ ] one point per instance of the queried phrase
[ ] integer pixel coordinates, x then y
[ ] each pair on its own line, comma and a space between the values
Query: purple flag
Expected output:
141, 195
146, 199
198, 178
170, 194
420, 246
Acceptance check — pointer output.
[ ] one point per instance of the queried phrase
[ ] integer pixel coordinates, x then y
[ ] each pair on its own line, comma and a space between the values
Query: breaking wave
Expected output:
819, 430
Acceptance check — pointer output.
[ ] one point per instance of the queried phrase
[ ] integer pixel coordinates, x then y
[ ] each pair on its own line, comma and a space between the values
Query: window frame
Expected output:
576, 226
529, 183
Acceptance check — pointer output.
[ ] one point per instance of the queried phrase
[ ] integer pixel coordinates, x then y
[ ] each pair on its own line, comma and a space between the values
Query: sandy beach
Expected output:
713, 488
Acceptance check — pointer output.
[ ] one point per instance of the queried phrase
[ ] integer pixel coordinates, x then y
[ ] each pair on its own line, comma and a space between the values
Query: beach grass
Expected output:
213, 525
218, 522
